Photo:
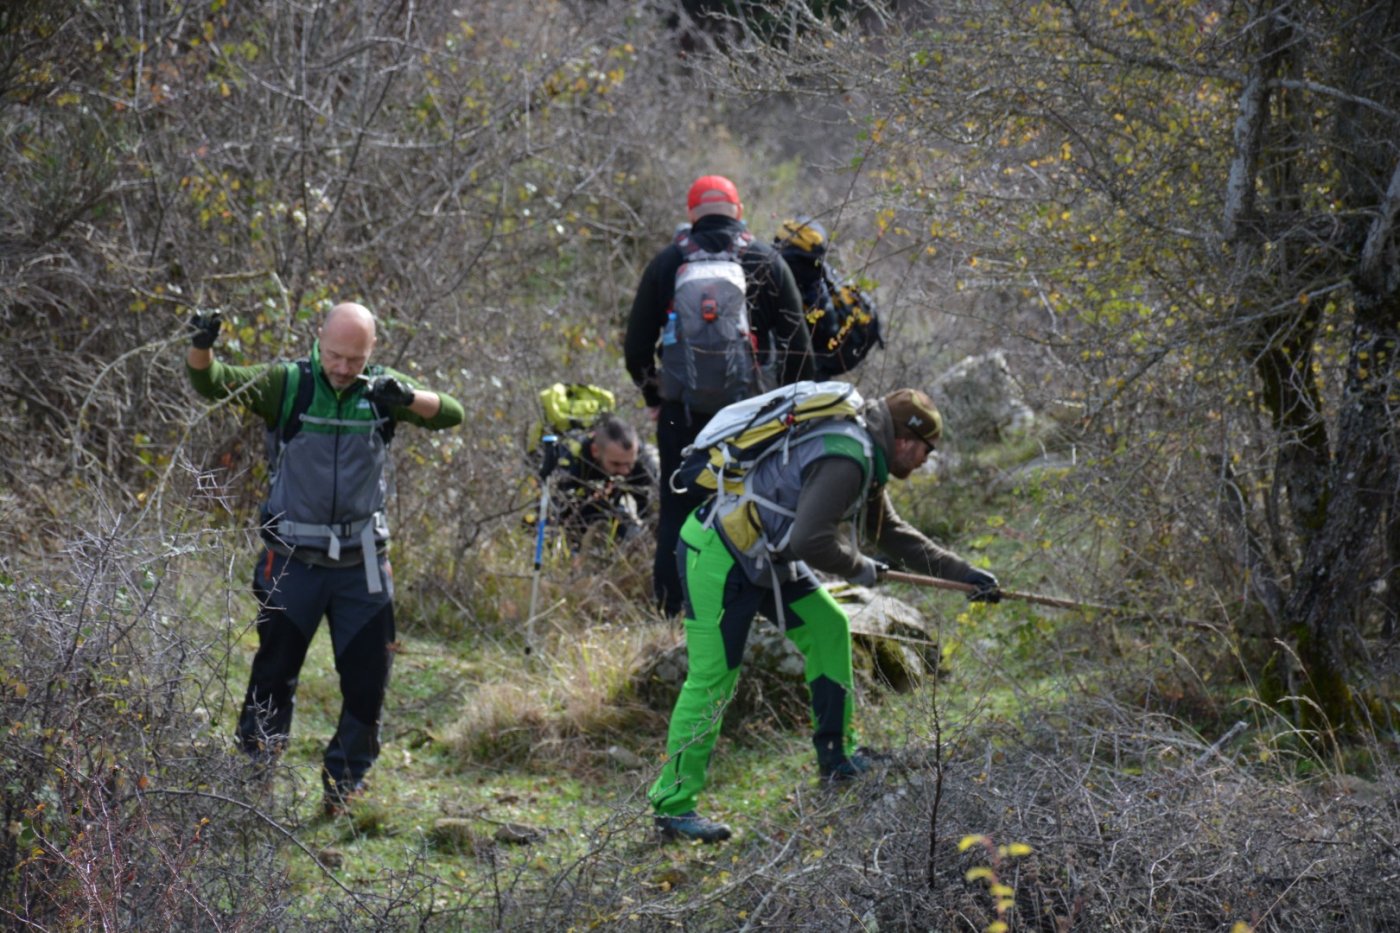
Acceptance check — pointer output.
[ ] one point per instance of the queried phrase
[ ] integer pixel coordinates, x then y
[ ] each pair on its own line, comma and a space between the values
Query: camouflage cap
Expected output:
914, 415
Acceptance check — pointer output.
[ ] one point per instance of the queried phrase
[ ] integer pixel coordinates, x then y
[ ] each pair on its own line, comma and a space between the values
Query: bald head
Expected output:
348, 314
347, 339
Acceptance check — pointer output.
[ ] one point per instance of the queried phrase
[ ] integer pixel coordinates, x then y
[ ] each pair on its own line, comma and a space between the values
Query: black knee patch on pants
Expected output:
828, 716
741, 602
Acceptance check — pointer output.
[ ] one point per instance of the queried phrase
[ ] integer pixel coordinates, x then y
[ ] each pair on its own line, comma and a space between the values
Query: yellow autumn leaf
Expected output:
981, 871
967, 842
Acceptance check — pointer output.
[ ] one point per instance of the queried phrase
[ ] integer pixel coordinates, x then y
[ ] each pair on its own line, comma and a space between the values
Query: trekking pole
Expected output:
549, 444
941, 584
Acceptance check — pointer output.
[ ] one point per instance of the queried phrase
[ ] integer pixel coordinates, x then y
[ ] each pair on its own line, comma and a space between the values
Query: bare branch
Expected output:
1375, 273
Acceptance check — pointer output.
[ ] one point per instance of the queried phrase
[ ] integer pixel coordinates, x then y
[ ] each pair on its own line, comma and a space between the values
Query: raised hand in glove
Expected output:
988, 591
389, 392
870, 572
204, 329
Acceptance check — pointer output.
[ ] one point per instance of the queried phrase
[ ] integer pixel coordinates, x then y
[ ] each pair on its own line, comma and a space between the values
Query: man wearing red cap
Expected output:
778, 347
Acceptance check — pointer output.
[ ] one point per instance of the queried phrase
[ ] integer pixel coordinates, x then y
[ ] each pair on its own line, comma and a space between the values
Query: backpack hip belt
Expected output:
364, 529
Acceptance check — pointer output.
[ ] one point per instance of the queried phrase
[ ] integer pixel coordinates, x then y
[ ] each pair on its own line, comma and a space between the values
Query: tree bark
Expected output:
1332, 584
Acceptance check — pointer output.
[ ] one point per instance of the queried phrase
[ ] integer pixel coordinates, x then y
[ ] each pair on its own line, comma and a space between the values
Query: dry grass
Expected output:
570, 697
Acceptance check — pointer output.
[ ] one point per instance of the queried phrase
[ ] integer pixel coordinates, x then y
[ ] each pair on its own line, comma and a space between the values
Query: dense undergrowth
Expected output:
1174, 223
1065, 771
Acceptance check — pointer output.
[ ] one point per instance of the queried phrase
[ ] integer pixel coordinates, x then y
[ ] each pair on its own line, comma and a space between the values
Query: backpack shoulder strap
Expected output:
843, 437
298, 388
739, 244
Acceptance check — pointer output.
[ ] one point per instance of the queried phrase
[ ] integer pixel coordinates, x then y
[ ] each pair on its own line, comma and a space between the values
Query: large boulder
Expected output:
980, 400
891, 640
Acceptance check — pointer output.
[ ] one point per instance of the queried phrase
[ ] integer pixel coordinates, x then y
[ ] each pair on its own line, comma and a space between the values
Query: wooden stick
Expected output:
941, 584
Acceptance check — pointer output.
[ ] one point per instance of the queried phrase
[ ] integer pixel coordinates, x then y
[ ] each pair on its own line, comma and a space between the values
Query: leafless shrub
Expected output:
122, 809
1131, 823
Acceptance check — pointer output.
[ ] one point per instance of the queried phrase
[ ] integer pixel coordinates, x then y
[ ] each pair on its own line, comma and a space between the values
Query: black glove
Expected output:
870, 572
987, 589
389, 392
204, 329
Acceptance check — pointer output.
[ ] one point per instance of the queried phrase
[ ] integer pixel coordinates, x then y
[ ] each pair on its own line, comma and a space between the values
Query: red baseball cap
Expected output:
713, 189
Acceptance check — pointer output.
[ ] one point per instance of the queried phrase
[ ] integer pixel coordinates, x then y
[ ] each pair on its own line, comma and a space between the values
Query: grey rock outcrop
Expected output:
981, 400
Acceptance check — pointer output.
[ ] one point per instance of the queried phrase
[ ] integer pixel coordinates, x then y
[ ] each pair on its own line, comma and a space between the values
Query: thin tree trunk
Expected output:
1332, 579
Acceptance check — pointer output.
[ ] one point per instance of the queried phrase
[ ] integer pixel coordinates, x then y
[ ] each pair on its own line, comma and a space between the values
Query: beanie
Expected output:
914, 415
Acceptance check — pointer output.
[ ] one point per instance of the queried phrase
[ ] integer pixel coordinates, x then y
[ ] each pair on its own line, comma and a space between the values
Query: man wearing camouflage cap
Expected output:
828, 479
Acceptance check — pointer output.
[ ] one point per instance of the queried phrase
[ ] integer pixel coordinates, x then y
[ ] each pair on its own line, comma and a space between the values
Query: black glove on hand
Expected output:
870, 572
389, 392
988, 591
204, 329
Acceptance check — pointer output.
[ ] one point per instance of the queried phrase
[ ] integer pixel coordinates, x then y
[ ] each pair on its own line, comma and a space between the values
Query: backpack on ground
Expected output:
709, 353
568, 409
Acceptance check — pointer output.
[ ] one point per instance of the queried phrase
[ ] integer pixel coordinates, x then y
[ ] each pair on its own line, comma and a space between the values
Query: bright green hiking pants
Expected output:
720, 604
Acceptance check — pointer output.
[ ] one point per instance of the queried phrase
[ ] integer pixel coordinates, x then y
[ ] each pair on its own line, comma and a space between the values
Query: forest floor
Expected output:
511, 788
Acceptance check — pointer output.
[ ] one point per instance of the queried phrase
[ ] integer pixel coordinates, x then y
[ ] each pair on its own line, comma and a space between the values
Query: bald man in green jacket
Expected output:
330, 418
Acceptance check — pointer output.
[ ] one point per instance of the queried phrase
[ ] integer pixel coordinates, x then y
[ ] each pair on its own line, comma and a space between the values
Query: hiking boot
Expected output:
852, 768
339, 797
691, 826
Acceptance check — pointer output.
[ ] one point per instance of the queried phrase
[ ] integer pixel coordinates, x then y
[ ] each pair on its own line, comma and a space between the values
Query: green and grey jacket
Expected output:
757, 524
328, 485
832, 490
